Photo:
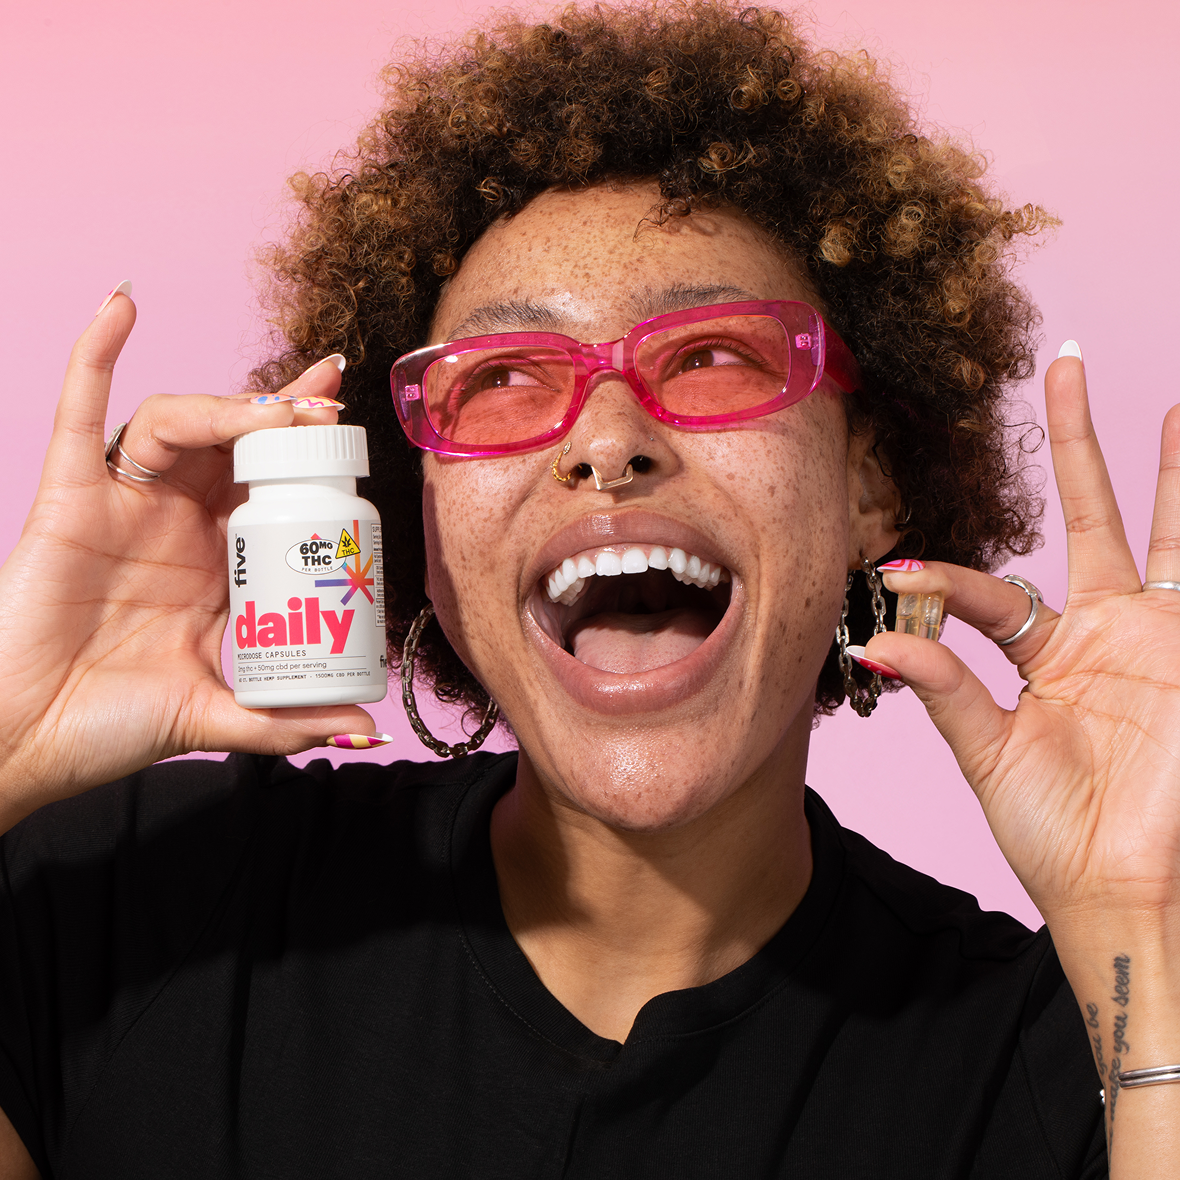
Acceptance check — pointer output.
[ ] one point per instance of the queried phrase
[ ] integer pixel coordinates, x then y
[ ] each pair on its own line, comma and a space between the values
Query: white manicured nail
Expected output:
1071, 348
124, 288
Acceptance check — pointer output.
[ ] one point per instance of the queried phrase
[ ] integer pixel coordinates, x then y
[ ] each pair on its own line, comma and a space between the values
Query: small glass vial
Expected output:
306, 608
919, 614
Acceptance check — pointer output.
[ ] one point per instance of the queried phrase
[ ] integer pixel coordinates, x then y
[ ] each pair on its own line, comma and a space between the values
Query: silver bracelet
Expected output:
1130, 1078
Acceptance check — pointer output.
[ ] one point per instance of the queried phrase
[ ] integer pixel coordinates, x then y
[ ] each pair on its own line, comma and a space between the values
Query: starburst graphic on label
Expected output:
357, 576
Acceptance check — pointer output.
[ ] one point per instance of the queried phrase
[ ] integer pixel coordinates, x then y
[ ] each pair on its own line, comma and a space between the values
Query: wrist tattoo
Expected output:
1096, 1039
1119, 1046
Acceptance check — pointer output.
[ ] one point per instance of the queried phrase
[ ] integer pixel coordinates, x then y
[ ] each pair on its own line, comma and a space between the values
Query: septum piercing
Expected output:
600, 484
604, 485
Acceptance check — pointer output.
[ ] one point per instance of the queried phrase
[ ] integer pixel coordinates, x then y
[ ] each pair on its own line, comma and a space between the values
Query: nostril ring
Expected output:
555, 469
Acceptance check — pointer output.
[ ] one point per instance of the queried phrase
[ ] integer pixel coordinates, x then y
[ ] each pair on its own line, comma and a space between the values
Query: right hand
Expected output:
113, 604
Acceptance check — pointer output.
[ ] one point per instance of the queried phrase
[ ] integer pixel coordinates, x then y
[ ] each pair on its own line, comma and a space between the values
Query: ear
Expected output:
874, 503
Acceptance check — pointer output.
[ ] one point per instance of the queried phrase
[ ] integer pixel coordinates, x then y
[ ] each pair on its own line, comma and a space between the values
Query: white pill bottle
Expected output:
306, 609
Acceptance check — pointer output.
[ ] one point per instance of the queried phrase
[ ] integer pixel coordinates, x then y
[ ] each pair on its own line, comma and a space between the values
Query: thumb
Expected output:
76, 452
962, 709
225, 725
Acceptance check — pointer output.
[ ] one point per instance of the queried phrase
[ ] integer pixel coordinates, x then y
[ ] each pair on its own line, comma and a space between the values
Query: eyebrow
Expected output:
682, 296
523, 315
515, 314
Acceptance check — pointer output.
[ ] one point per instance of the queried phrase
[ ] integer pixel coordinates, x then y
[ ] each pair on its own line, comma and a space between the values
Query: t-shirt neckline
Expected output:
508, 973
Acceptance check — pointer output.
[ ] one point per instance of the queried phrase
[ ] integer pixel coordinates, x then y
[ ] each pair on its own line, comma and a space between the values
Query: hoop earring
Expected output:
863, 701
409, 652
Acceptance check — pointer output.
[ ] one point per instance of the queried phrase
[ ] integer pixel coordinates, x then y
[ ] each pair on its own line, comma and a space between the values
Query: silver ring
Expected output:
1161, 585
113, 444
1035, 600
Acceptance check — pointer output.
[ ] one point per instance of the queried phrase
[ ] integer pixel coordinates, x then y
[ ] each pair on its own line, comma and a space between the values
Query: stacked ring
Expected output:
113, 445
1035, 600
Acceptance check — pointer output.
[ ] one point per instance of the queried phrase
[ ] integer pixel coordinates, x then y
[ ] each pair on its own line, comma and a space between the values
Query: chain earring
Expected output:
863, 700
409, 652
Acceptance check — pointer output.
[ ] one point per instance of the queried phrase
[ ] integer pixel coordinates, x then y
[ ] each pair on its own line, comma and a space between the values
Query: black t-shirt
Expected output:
244, 969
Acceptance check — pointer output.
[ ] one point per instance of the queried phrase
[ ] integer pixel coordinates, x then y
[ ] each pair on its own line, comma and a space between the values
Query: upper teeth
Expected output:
566, 582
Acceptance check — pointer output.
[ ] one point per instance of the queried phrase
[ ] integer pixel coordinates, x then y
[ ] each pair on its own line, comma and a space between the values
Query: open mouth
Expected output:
632, 608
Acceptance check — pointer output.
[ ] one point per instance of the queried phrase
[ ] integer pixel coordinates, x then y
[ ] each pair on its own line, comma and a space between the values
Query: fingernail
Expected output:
858, 654
903, 565
337, 358
1071, 348
124, 288
316, 403
271, 399
359, 741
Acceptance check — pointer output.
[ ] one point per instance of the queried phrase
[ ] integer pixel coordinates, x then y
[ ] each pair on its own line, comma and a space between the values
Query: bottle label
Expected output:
306, 605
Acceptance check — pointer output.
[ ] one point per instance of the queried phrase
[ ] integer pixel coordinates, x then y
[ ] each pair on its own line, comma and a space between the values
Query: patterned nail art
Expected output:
271, 399
359, 741
903, 565
316, 403
858, 654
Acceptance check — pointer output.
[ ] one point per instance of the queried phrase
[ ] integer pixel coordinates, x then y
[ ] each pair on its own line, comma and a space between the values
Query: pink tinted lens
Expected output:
723, 366
490, 396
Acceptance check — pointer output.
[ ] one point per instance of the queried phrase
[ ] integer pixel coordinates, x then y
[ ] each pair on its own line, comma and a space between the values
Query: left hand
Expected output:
1080, 782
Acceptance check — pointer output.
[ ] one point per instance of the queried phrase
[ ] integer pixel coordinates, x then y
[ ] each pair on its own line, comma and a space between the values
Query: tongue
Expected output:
637, 643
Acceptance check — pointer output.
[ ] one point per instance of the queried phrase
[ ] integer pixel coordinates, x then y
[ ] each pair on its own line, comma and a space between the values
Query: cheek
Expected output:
785, 481
466, 509
791, 489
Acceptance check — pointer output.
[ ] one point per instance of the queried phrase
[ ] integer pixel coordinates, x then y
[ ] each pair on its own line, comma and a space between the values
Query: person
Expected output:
639, 946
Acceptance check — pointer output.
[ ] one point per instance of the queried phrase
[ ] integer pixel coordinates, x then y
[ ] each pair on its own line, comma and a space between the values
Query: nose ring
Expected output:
605, 485
569, 474
601, 484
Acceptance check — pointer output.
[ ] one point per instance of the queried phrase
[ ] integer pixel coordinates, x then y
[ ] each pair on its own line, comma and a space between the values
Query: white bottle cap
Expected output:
294, 452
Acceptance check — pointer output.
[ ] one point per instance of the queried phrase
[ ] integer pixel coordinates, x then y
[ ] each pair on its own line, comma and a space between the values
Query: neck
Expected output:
609, 918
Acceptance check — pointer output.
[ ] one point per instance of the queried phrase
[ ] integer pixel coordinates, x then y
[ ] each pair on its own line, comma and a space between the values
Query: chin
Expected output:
629, 787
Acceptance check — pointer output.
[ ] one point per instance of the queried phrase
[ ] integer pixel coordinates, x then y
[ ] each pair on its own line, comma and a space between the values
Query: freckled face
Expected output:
650, 699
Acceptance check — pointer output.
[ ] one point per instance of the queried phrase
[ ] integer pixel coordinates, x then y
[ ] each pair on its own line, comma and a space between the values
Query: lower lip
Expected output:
646, 692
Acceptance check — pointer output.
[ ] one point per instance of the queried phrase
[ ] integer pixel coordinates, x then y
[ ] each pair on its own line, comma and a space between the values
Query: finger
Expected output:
962, 709
166, 425
166, 430
1163, 551
327, 415
76, 445
995, 608
226, 725
1100, 560
318, 383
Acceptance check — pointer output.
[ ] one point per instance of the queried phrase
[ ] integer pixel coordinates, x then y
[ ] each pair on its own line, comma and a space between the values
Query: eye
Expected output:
708, 358
499, 377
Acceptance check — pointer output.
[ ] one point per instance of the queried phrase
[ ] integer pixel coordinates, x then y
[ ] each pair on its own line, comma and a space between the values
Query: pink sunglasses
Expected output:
700, 369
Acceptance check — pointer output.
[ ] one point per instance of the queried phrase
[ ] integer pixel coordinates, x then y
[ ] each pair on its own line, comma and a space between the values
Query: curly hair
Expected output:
908, 252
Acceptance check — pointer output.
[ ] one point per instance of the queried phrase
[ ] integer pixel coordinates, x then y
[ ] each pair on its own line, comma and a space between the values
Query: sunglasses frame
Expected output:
829, 356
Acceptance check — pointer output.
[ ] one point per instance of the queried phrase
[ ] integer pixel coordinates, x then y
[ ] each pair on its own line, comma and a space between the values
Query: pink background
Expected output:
152, 141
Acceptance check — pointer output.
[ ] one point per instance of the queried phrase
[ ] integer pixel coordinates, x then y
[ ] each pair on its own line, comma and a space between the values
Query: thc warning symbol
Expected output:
347, 547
